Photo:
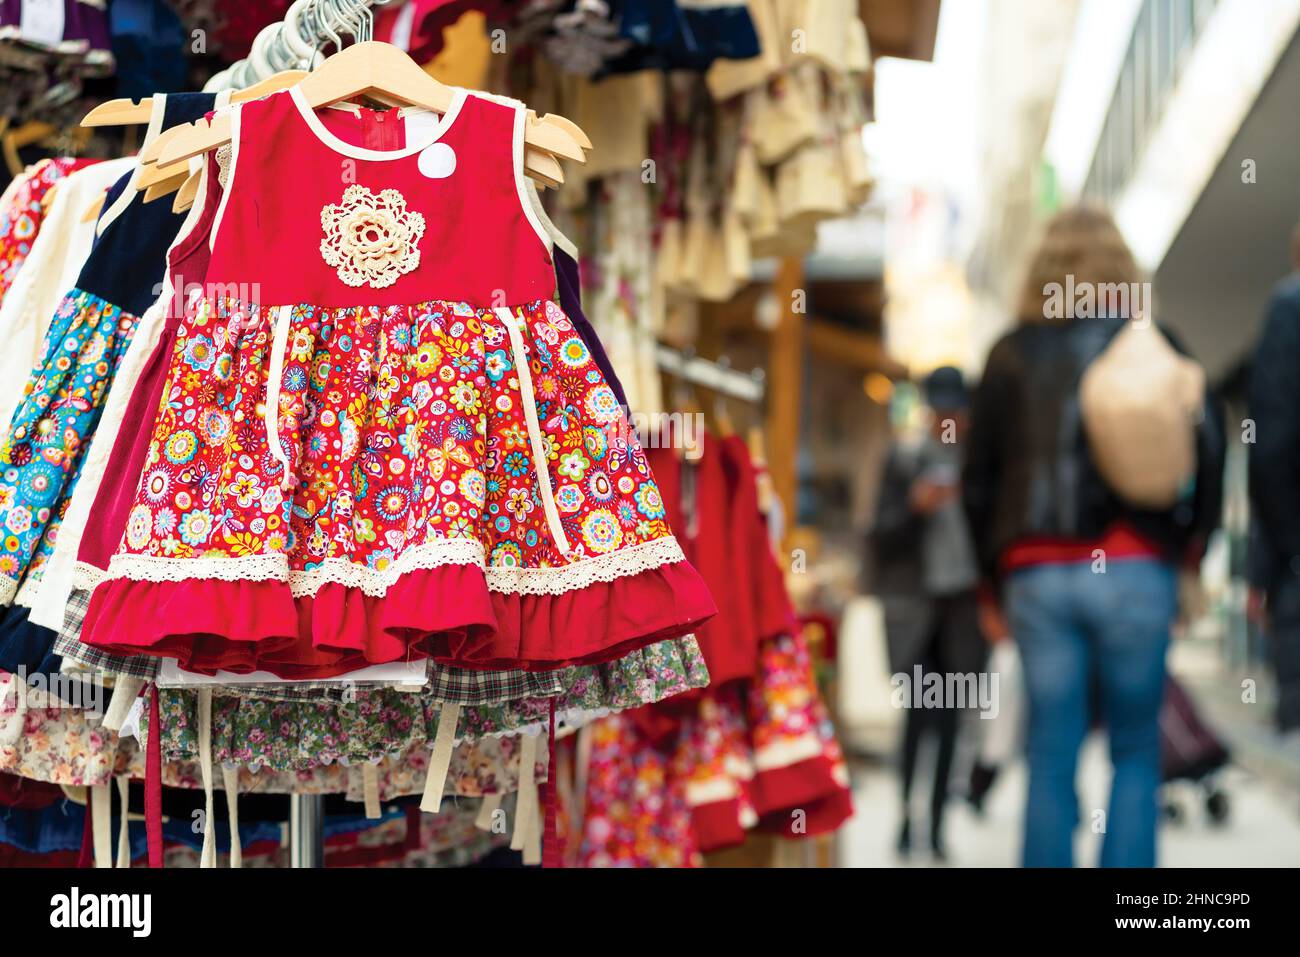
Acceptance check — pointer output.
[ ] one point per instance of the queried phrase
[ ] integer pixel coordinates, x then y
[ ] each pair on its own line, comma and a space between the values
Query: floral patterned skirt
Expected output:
328, 488
374, 724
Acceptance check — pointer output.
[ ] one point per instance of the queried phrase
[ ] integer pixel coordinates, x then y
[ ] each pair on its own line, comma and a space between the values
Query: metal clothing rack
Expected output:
295, 42
717, 376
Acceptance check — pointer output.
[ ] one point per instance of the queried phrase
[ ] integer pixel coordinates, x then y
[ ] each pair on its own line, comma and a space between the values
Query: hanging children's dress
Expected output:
41, 457
24, 210
107, 481
381, 437
49, 270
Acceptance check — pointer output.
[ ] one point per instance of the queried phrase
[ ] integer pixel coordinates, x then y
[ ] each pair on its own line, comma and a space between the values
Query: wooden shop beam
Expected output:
862, 350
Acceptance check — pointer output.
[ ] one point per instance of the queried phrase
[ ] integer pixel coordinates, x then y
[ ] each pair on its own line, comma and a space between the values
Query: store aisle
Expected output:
1262, 831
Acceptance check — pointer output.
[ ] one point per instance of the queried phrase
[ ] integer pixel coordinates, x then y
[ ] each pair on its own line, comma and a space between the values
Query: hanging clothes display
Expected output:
753, 751
51, 429
121, 441
320, 477
23, 211
71, 31
47, 271
278, 552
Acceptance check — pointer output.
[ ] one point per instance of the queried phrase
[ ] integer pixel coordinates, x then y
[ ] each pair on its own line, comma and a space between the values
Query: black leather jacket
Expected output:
1028, 471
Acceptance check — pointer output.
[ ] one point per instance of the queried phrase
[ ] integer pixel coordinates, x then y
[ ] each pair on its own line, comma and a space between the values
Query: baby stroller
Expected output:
1191, 752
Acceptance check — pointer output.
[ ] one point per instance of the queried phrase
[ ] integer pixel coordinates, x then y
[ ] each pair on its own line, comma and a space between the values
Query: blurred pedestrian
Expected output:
1087, 580
925, 574
1274, 411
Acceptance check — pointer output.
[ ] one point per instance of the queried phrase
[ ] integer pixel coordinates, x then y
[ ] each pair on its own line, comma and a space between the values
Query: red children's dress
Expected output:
380, 438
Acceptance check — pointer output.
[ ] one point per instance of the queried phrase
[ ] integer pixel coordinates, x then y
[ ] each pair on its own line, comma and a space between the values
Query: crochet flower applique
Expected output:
371, 240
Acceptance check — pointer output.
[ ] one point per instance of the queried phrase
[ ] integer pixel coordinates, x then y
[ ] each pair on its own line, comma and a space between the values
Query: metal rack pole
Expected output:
306, 830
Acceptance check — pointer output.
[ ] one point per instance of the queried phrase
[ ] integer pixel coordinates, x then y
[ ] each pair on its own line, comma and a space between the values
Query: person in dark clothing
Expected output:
926, 573
1087, 581
1274, 409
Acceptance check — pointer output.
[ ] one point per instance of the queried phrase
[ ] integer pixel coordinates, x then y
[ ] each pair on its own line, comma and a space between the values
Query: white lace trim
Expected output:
587, 571
8, 589
86, 577
786, 752
376, 582
224, 155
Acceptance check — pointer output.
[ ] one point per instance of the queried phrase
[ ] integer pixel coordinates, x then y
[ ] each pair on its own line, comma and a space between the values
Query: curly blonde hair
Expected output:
1082, 242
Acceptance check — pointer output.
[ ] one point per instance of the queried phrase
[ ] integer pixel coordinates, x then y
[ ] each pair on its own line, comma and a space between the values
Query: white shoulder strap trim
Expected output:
529, 201
539, 211
150, 134
235, 113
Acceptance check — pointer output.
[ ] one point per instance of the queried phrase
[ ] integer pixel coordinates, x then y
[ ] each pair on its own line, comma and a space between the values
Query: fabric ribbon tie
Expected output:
370, 785
153, 782
551, 853
230, 781
514, 325
487, 811
440, 760
208, 856
124, 825
101, 812
275, 375
526, 805
126, 688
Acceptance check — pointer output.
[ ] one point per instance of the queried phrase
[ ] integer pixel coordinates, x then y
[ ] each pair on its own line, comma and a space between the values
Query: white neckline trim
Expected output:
360, 152
159, 108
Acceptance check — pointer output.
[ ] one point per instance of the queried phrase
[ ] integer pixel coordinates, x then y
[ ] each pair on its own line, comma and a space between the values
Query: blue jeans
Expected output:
1085, 636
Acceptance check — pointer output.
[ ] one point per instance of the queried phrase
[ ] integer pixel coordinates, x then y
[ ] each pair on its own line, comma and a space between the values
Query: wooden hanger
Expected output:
386, 74
94, 209
187, 194
125, 112
158, 190
36, 131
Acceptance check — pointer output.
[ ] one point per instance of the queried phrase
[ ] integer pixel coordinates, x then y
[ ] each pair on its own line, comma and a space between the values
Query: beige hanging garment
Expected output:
728, 78
857, 48
668, 258
829, 32
855, 169
615, 114
697, 235
716, 283
785, 115
810, 185
735, 244
745, 183
766, 223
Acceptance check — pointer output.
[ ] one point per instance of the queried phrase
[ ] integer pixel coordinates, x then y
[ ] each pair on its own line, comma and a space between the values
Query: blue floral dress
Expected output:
41, 454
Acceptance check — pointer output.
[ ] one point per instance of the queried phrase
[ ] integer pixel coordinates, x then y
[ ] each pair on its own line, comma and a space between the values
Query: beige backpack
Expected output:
1141, 402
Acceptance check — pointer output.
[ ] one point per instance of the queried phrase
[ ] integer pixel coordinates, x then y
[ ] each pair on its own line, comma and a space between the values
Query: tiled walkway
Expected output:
1263, 829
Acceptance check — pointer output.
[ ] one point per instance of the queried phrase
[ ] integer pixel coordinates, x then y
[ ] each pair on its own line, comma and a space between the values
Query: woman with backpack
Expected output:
1093, 471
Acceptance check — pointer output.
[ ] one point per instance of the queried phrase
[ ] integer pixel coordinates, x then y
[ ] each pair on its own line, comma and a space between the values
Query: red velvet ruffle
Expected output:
447, 613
